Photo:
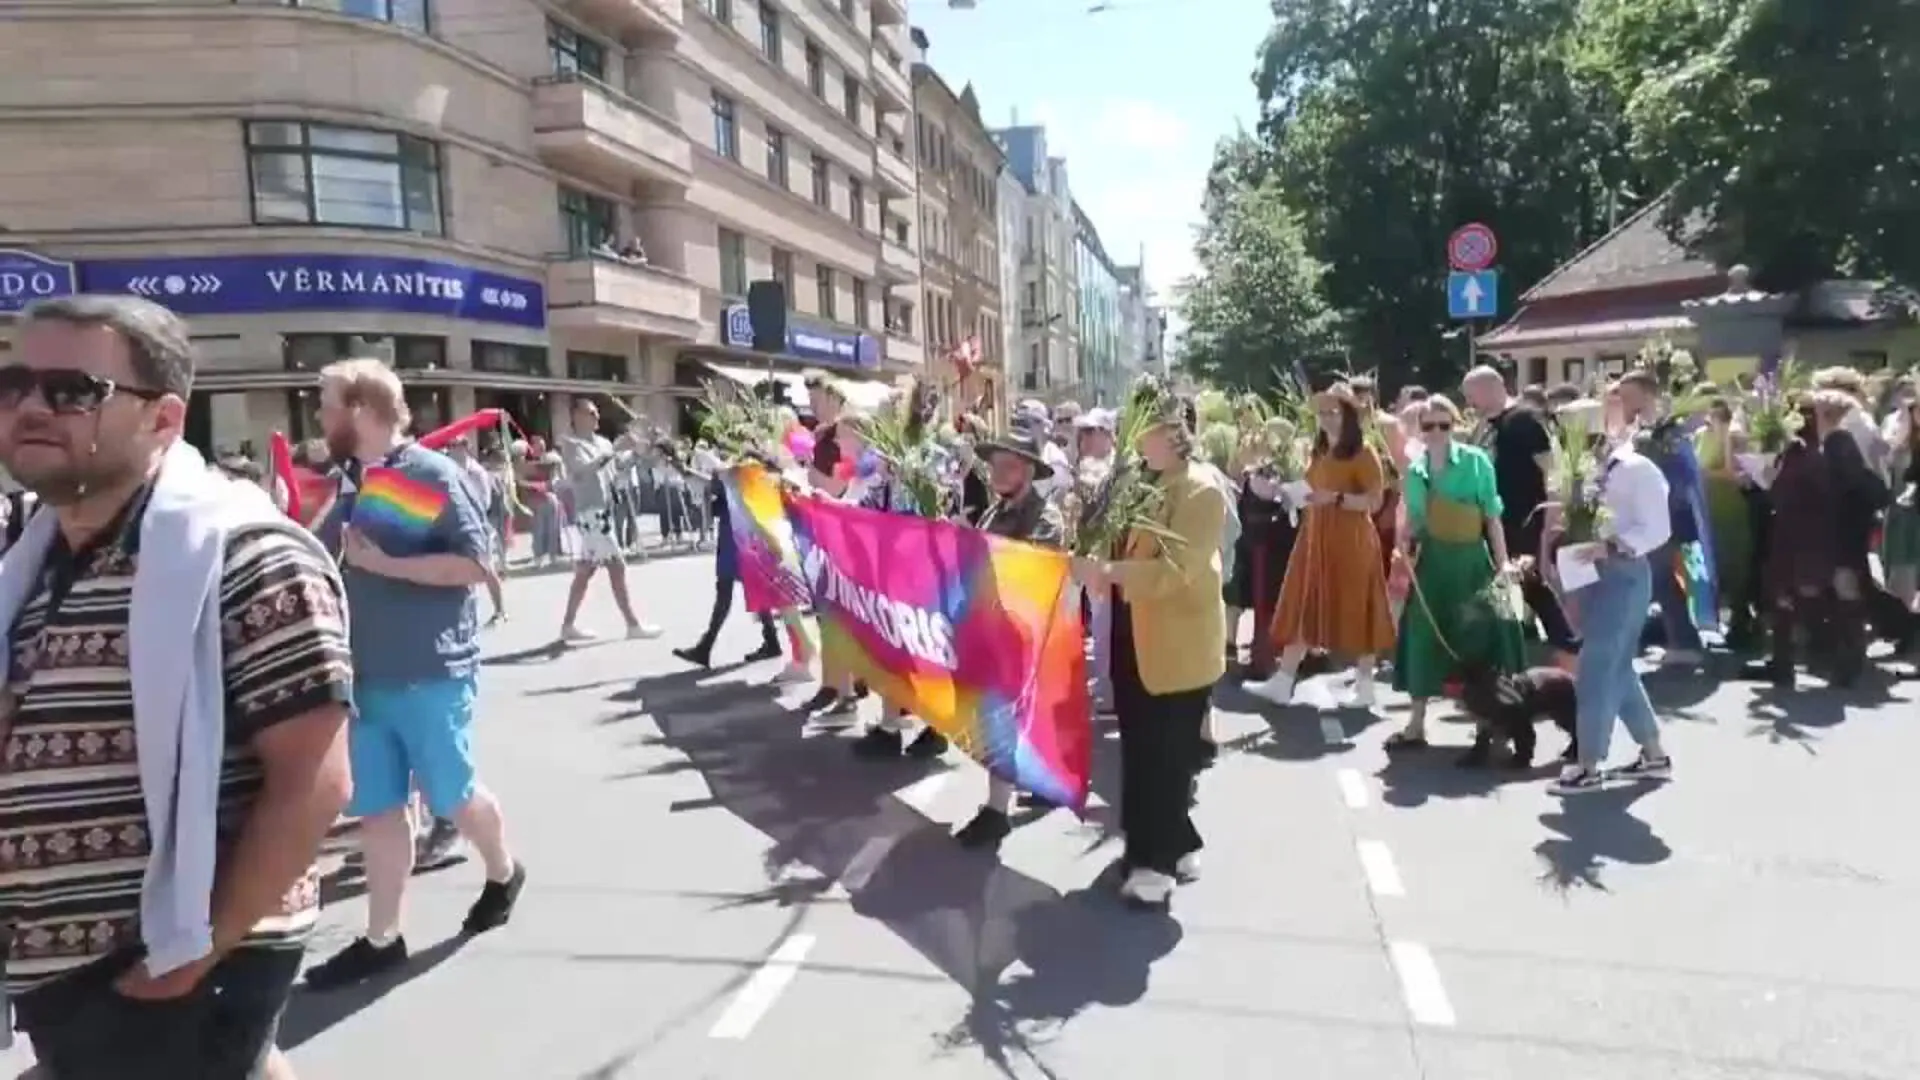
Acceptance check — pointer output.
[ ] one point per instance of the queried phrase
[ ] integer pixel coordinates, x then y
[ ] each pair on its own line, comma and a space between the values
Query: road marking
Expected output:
763, 988
922, 793
1352, 788
1332, 731
865, 861
1420, 984
1383, 877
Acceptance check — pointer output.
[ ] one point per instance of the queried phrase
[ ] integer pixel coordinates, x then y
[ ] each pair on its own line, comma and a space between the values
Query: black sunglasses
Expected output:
66, 391
1441, 426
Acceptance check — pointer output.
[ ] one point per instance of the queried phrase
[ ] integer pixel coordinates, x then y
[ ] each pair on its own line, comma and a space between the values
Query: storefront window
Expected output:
500, 358
311, 352
598, 367
530, 412
431, 406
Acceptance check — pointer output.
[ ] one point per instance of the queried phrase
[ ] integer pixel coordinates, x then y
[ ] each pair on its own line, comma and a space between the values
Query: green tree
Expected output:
1253, 308
1788, 131
1392, 122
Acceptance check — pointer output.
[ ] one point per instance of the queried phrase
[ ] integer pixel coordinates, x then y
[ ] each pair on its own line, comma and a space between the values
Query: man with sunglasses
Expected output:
115, 860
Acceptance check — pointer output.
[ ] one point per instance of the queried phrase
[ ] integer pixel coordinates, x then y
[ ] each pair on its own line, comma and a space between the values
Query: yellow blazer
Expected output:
1173, 588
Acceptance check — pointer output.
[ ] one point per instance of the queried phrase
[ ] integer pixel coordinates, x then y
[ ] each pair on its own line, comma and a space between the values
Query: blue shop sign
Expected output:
264, 284
26, 277
807, 341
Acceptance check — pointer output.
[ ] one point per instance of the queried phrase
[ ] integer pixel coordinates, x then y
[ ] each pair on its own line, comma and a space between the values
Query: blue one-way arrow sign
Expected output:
1474, 295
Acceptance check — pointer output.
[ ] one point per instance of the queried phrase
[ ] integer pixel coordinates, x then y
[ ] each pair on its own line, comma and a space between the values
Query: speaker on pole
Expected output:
767, 310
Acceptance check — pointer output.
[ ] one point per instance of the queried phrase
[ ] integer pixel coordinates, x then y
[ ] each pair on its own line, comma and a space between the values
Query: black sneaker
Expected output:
987, 828
495, 905
821, 699
769, 651
1209, 753
1646, 767
877, 744
357, 963
439, 847
1030, 801
859, 690
927, 745
696, 657
1577, 780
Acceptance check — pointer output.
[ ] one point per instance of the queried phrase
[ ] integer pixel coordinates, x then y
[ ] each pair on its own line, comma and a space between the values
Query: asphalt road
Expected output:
720, 893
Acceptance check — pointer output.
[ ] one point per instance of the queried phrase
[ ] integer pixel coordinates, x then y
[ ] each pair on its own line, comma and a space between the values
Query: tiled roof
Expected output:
1635, 254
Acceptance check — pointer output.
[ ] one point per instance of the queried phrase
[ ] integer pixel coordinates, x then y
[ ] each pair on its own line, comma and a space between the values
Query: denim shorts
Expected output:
83, 1029
412, 734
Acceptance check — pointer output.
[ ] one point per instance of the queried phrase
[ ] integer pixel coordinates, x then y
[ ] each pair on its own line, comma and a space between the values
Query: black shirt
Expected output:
1516, 438
826, 449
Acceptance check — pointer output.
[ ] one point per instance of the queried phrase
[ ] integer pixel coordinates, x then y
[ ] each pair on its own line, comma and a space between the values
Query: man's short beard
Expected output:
76, 482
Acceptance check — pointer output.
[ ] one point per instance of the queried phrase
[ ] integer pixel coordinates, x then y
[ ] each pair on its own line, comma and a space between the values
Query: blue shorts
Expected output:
412, 734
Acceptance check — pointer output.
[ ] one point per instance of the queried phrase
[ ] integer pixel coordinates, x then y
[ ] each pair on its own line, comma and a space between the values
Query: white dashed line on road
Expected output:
924, 792
763, 988
1353, 790
1383, 877
1420, 984
1332, 732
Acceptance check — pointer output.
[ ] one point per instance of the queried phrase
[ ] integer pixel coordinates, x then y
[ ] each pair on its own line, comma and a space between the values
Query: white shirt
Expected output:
1635, 494
1061, 481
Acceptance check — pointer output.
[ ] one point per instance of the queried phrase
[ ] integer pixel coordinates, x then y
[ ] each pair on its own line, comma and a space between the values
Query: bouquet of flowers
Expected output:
902, 435
1574, 482
1773, 417
1127, 499
736, 421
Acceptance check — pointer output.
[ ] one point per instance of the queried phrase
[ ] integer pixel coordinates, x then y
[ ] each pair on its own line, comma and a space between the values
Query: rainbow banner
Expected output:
769, 564
392, 505
977, 635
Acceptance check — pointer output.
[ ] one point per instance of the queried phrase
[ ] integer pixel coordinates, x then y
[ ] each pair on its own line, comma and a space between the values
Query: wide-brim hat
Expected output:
1020, 445
1339, 393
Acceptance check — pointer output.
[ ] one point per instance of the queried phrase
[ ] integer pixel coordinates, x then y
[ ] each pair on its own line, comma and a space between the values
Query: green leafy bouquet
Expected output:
1128, 498
737, 421
902, 433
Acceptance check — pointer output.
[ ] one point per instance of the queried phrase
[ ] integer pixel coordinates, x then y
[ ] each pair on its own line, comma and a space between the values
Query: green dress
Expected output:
1447, 619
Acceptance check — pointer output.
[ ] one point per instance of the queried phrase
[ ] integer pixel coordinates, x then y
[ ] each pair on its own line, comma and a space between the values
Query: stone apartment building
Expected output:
960, 167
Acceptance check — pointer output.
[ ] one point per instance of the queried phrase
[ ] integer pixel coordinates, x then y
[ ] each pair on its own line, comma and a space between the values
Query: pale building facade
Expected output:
1048, 295
960, 167
514, 203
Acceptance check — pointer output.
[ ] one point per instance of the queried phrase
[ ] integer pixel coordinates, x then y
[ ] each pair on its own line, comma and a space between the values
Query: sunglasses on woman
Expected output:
1437, 425
66, 391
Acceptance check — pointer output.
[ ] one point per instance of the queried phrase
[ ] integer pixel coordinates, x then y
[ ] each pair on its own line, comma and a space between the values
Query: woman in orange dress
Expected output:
1335, 595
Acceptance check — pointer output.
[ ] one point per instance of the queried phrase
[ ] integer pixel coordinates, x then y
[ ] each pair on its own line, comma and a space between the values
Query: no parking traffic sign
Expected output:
1472, 248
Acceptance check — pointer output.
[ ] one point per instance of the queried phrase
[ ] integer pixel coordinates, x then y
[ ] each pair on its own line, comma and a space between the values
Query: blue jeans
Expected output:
1613, 612
1676, 615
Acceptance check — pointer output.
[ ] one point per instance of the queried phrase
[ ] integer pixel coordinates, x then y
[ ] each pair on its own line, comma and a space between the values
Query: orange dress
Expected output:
1335, 595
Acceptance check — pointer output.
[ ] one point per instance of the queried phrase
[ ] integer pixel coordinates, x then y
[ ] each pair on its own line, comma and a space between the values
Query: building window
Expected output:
410, 14
770, 31
850, 97
574, 53
726, 130
404, 352
733, 263
860, 317
822, 184
856, 203
586, 222
721, 10
823, 284
783, 271
500, 358
816, 71
777, 157
596, 367
320, 174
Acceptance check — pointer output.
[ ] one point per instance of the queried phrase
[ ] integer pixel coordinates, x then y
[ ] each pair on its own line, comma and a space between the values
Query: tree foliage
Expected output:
1254, 308
1787, 133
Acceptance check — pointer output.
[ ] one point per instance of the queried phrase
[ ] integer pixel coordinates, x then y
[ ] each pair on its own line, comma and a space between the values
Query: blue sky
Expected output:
1134, 97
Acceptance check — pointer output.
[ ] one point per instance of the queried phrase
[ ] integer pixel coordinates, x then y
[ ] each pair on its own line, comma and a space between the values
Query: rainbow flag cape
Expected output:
763, 538
391, 504
977, 635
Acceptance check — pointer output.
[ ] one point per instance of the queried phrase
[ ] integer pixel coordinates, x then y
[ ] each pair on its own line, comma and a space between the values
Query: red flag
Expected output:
480, 421
280, 455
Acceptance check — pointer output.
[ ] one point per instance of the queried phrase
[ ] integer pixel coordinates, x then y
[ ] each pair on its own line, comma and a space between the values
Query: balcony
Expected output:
631, 20
609, 294
891, 90
890, 12
904, 352
890, 168
898, 263
583, 126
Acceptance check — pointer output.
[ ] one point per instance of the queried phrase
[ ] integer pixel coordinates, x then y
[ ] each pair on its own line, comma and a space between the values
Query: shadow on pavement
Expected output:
1595, 829
968, 914
310, 1013
1413, 776
1797, 717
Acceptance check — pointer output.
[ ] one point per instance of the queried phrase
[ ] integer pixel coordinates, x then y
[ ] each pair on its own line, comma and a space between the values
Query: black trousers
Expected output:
723, 587
1160, 756
1525, 540
82, 1029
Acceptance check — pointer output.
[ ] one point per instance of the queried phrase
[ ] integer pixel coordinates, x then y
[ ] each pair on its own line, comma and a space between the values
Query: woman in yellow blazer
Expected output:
1168, 649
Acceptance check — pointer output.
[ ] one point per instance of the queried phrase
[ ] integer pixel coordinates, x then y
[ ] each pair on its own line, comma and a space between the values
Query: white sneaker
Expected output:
1278, 689
1147, 888
573, 635
1188, 868
793, 675
643, 632
1363, 693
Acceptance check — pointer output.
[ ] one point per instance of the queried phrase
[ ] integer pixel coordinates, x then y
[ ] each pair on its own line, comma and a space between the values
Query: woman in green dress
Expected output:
1452, 537
1718, 446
